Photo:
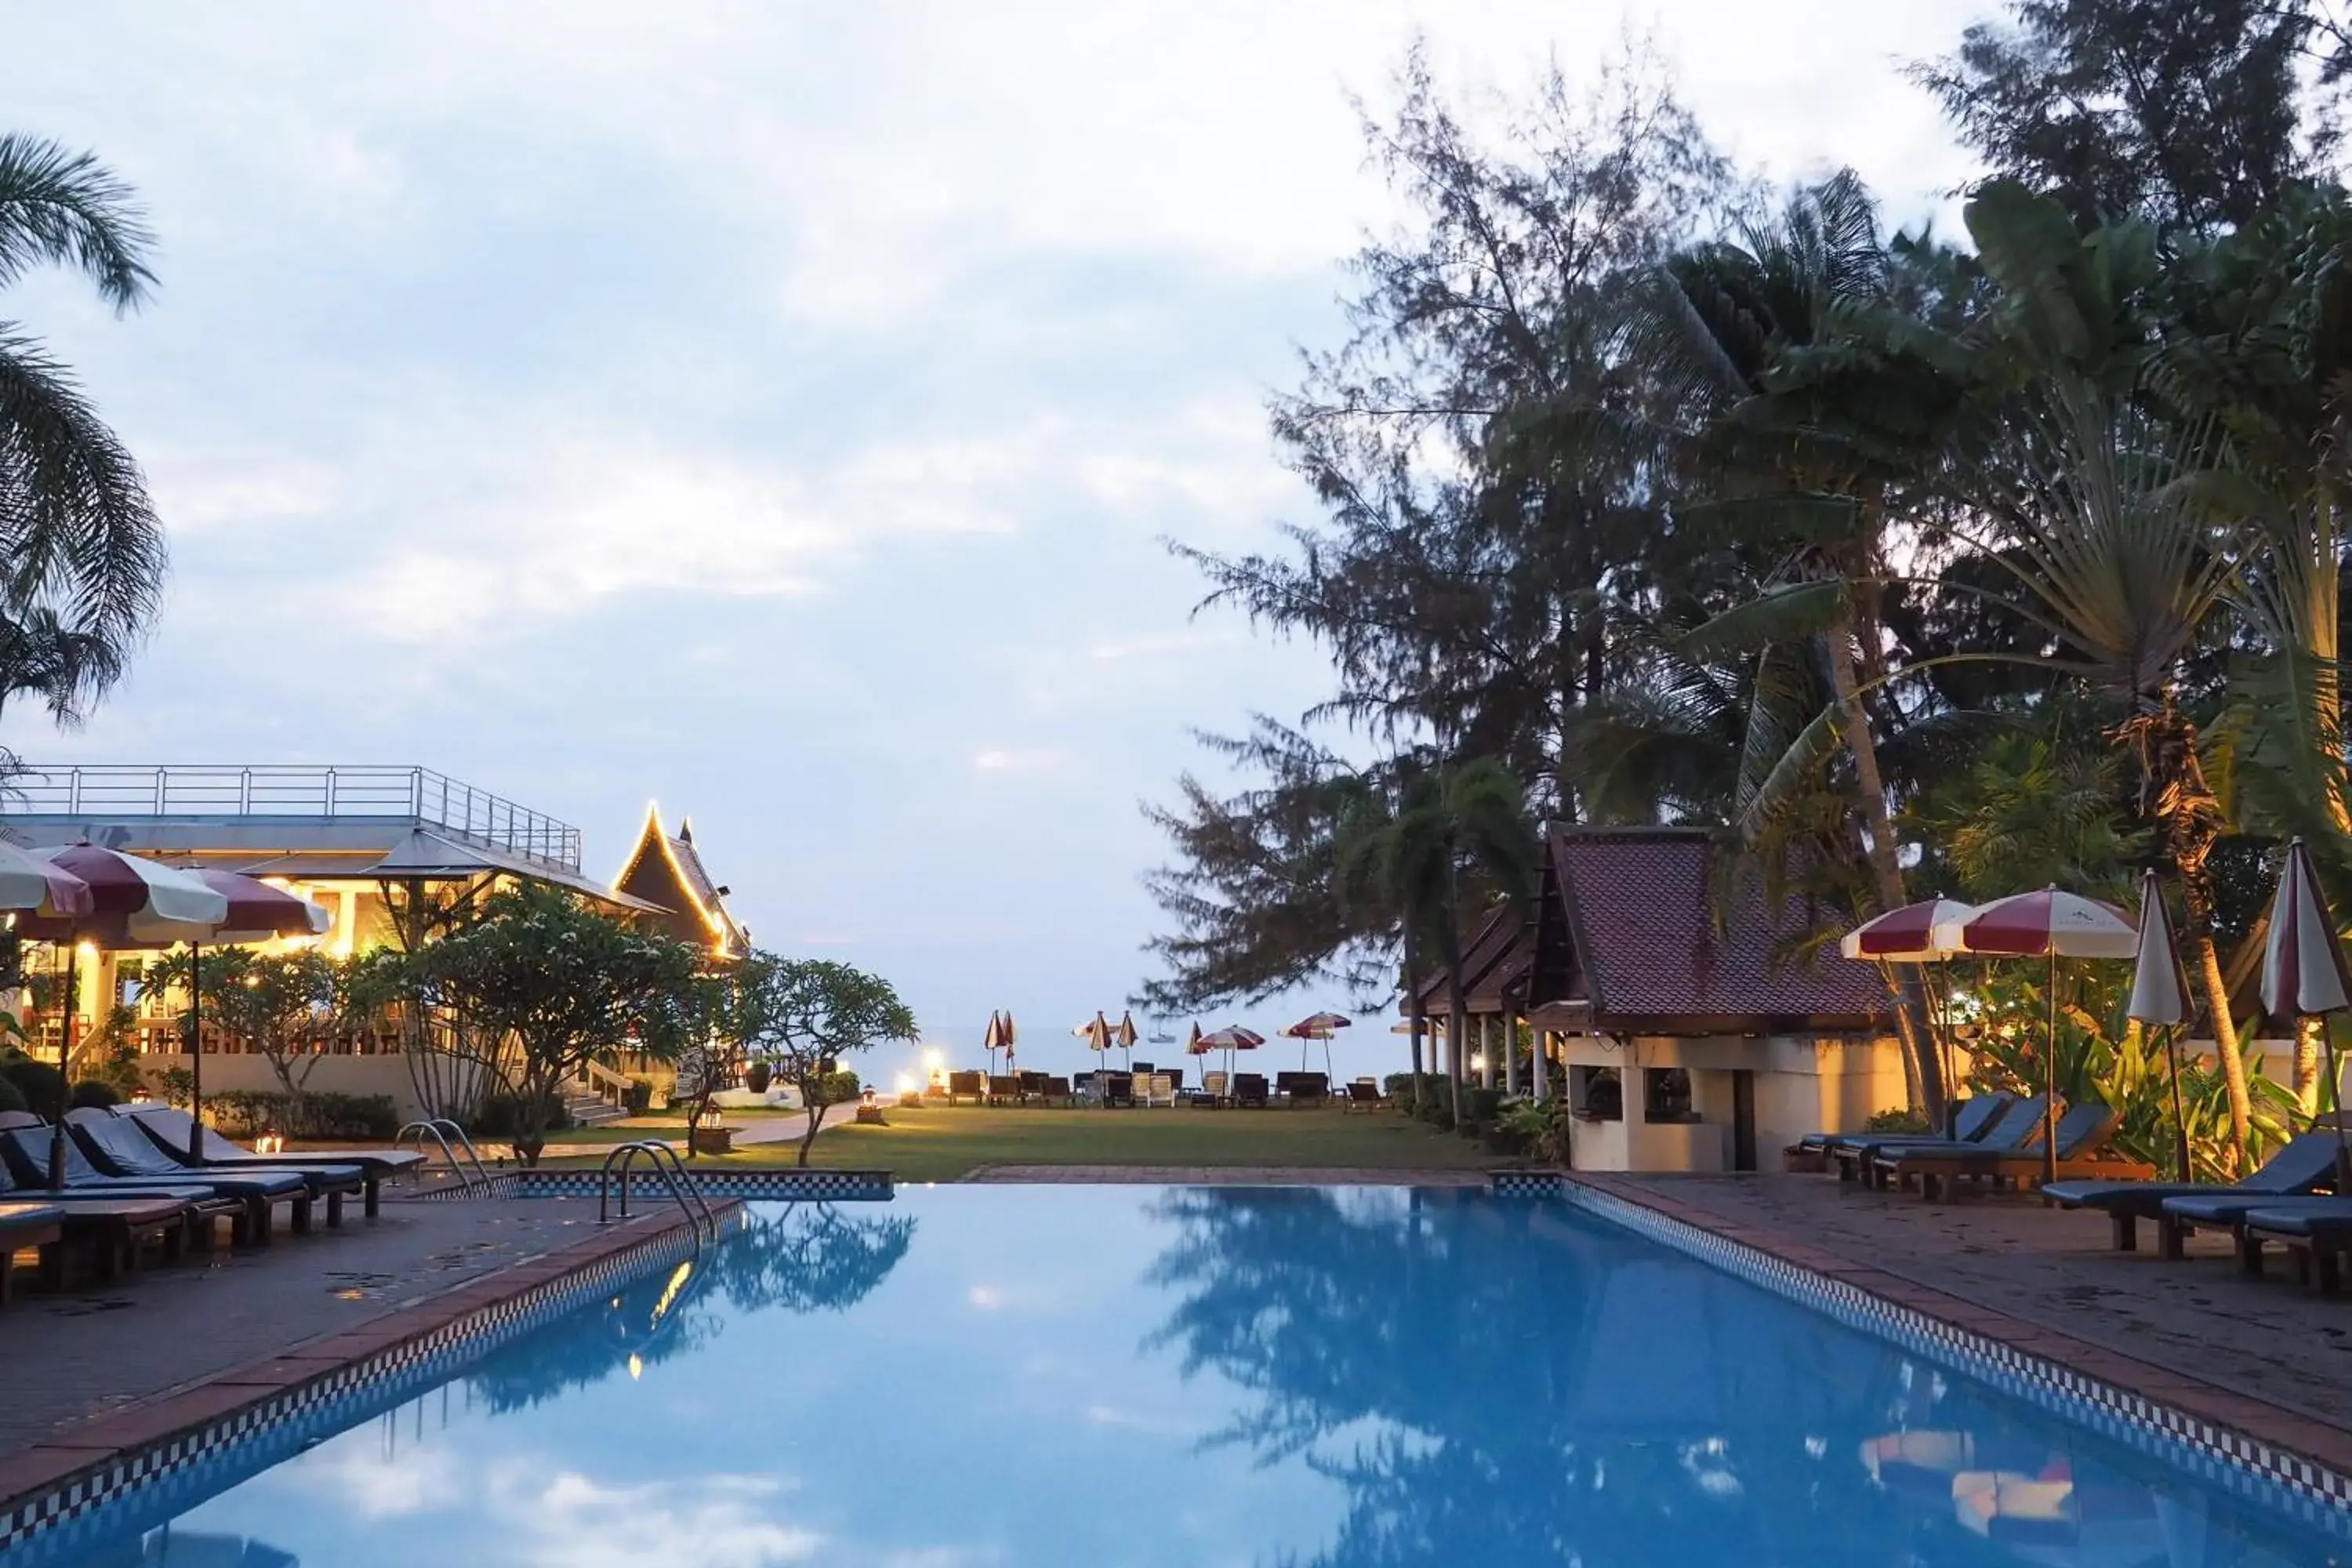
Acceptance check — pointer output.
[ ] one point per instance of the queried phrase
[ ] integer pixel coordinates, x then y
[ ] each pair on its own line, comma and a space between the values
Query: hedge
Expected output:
242, 1112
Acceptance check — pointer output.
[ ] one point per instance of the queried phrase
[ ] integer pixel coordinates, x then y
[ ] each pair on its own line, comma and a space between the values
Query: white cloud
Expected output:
1020, 760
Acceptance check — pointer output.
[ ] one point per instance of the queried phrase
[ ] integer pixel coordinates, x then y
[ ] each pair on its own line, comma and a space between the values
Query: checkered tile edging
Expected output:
1524, 1183
2272, 1479
147, 1486
831, 1186
801, 1185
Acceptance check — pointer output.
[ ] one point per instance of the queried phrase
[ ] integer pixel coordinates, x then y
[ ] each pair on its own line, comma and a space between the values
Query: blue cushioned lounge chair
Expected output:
2015, 1125
2306, 1165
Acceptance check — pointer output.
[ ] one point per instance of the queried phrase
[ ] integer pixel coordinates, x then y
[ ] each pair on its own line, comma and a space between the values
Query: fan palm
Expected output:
1468, 820
81, 551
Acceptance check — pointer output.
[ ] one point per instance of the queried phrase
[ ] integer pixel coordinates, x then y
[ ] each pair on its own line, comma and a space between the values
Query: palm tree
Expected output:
81, 551
1447, 824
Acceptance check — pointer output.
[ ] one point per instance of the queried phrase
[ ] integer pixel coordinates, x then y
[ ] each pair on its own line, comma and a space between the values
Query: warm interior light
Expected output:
269, 1144
905, 1083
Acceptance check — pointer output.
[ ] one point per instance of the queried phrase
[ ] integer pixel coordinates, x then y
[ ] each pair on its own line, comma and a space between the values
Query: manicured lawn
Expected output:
944, 1143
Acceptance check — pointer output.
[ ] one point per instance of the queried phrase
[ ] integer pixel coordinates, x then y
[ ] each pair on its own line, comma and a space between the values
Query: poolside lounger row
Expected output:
2000, 1142
2303, 1166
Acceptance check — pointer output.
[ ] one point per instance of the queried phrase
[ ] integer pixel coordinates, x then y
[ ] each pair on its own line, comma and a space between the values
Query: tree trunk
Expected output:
1457, 1014
1412, 1011
815, 1119
2225, 1040
1915, 1028
2310, 1035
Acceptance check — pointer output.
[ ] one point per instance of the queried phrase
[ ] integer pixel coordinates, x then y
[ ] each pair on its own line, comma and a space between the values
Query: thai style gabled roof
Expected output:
667, 871
1637, 935
1495, 960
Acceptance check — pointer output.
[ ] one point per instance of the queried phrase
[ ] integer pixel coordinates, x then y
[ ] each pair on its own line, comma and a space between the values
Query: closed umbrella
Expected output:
2303, 973
2161, 997
2046, 924
1907, 935
122, 888
991, 1039
1126, 1035
1009, 1036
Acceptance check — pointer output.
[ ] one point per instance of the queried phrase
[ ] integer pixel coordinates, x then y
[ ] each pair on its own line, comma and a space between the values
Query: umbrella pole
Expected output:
64, 1064
2179, 1113
196, 1054
2050, 1080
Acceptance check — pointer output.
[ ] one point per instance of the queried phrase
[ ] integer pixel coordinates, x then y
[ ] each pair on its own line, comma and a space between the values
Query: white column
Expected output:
1543, 1064
1510, 1054
1485, 1051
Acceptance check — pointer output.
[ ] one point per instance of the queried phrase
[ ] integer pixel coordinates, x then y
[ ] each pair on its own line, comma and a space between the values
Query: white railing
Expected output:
281, 792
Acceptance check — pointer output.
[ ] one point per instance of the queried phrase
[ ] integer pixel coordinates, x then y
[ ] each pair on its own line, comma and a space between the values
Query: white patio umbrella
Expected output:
2303, 973
1908, 935
2046, 924
2159, 997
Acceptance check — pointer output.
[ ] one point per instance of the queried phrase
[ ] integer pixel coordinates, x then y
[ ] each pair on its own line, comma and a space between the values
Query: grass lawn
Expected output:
943, 1143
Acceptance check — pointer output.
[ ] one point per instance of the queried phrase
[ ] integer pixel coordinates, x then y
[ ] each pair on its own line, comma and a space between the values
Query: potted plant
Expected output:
758, 1076
712, 1136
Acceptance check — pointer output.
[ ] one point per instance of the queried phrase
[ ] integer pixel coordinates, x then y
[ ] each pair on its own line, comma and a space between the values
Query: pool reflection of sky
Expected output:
1122, 1376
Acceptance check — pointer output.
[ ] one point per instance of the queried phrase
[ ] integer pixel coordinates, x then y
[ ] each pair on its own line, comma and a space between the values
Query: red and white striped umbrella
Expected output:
1906, 935
127, 887
35, 885
1197, 1044
2303, 973
257, 912
2046, 923
2303, 962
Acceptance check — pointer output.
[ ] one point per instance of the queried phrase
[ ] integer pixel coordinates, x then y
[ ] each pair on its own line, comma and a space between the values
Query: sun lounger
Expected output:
1973, 1118
119, 1149
2303, 1166
26, 1151
113, 1224
2083, 1134
168, 1128
2317, 1232
2013, 1126
2227, 1210
1249, 1088
1362, 1095
23, 1227
971, 1086
1003, 1089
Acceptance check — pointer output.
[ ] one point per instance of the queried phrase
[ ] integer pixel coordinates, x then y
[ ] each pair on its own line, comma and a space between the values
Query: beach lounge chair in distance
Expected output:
2303, 1166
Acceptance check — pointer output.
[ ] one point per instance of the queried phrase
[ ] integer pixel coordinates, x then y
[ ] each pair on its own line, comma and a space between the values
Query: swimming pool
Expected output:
1121, 1376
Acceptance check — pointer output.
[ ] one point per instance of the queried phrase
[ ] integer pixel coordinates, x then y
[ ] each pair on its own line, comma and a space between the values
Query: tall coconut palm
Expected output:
1449, 826
81, 551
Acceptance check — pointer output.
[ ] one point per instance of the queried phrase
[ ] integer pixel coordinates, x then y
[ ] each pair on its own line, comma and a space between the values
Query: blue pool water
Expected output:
971, 1376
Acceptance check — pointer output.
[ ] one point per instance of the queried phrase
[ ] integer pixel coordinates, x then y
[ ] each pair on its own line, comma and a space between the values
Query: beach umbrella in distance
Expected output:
2049, 924
2304, 974
1195, 1044
170, 904
1317, 1026
2159, 998
991, 1039
1008, 1035
1126, 1035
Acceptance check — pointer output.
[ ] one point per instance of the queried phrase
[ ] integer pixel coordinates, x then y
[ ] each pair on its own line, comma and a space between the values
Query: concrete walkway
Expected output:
83, 1353
2280, 1341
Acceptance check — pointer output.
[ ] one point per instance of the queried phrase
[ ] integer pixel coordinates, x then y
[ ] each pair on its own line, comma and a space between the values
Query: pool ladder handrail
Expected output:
435, 1125
675, 1176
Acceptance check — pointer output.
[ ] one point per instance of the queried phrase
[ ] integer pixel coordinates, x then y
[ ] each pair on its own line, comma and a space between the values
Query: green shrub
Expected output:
94, 1094
1481, 1107
41, 1085
243, 1112
1896, 1119
501, 1117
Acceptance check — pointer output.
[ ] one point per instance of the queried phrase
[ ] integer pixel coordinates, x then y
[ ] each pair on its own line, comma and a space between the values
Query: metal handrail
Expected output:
698, 1210
434, 1126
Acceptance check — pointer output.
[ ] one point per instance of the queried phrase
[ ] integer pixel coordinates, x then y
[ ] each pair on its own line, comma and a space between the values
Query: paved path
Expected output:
1232, 1175
2272, 1337
85, 1353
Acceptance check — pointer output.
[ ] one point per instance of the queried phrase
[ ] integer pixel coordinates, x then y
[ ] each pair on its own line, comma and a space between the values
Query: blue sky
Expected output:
773, 409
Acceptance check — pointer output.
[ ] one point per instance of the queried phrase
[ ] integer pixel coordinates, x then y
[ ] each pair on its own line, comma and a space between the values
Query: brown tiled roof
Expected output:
1498, 955
1647, 950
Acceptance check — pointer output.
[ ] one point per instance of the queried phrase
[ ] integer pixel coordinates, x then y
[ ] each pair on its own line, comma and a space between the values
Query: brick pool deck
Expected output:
2266, 1357
98, 1371
1230, 1175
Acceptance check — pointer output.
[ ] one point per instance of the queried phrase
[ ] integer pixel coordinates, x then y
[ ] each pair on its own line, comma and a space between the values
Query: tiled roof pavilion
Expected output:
1631, 938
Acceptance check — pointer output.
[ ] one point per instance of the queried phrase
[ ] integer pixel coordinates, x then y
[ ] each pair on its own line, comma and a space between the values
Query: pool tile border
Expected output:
166, 1453
797, 1186
2243, 1445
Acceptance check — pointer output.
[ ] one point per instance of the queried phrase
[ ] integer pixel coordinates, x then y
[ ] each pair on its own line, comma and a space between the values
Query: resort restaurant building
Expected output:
1654, 991
382, 849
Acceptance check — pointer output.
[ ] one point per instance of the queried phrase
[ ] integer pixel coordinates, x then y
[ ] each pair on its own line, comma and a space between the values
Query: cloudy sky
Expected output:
773, 409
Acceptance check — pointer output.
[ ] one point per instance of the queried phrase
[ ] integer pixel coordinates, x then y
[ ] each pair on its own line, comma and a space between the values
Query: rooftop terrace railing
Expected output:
283, 792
